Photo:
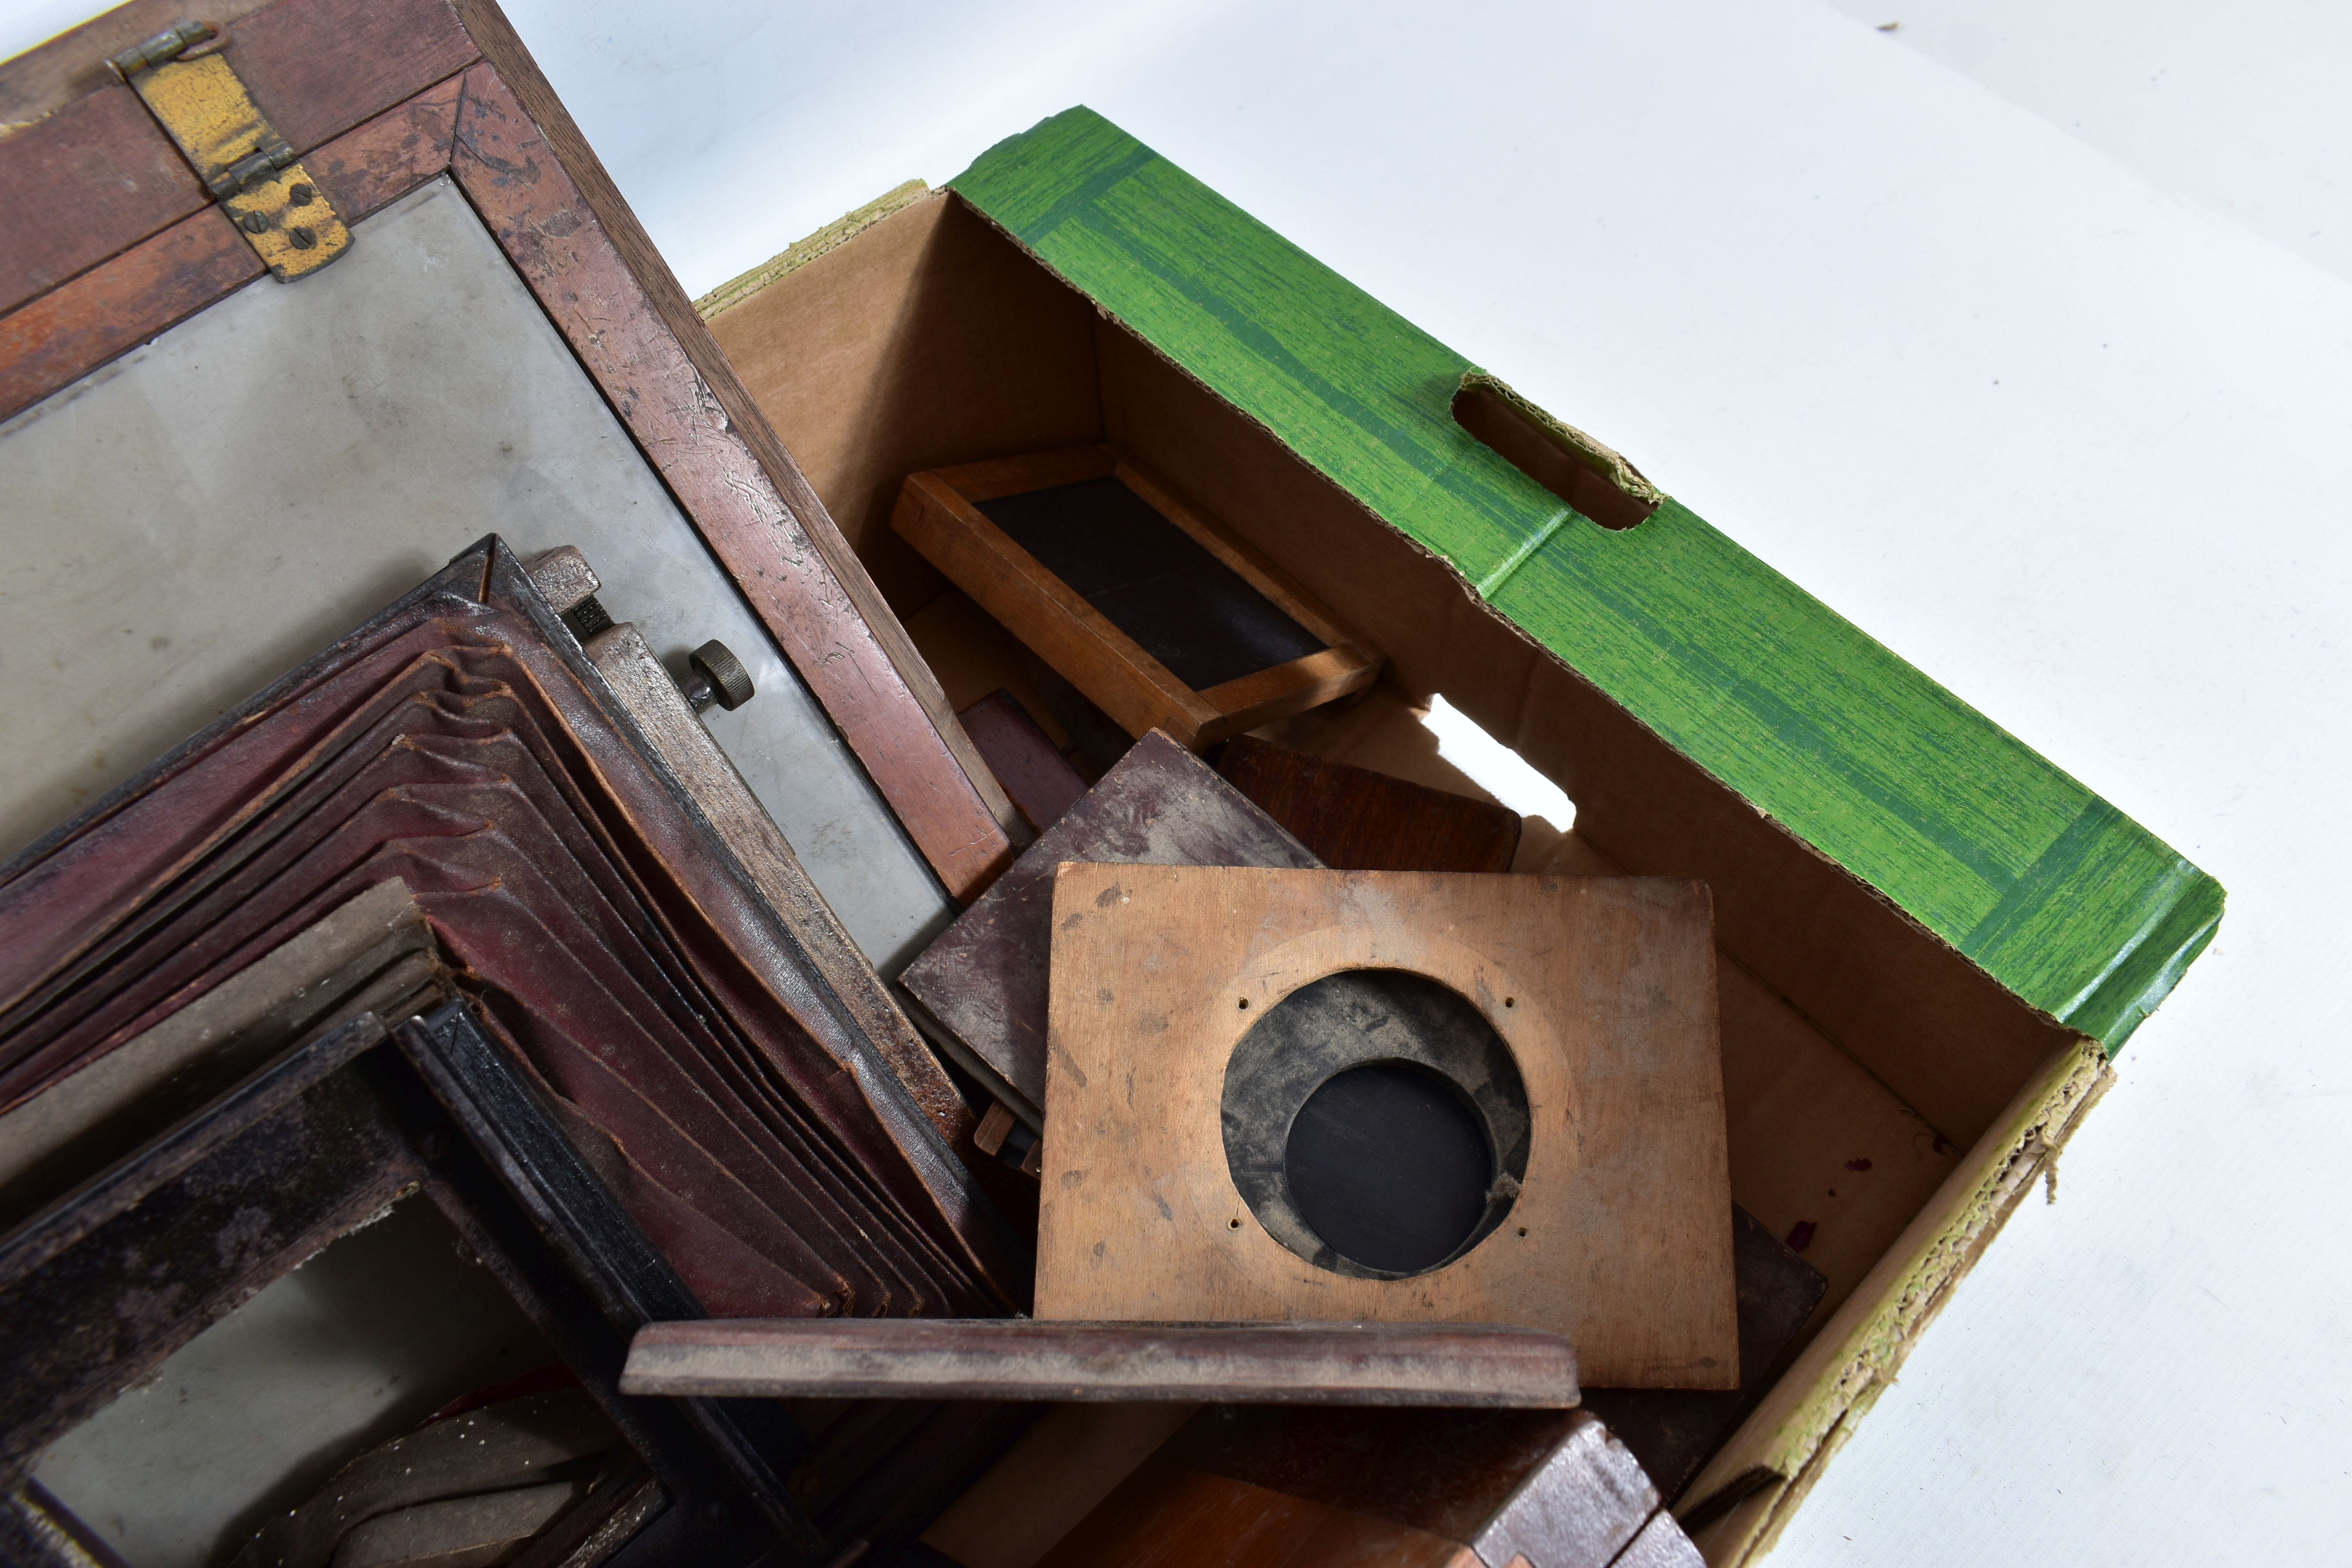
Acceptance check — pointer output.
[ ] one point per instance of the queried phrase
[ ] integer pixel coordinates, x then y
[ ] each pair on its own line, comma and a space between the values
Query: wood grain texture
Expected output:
1039, 780
1548, 1488
939, 513
1482, 1364
947, 764
985, 980
55, 340
317, 67
94, 177
1054, 1477
1602, 988
1166, 1516
52, 342
1673, 1431
1357, 820
580, 276
2076, 909
1049, 616
377, 163
735, 813
72, 65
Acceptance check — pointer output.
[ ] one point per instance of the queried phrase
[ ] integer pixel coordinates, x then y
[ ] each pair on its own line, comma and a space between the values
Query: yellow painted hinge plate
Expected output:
241, 159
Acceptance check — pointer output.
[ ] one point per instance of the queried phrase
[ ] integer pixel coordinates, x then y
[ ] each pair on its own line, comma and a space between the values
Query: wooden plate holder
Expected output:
939, 513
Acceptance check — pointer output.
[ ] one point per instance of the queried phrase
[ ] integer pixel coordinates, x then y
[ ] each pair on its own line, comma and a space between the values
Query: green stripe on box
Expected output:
2077, 910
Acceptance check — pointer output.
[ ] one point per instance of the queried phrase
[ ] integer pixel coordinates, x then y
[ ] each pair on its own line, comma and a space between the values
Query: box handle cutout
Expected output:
1571, 464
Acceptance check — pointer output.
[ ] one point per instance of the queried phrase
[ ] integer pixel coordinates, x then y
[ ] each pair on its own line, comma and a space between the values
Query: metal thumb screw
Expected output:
716, 675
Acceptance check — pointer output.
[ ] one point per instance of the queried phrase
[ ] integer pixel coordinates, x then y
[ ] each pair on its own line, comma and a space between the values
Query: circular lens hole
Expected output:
1389, 1165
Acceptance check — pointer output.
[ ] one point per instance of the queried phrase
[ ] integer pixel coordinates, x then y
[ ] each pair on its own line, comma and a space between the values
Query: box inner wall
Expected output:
1861, 1054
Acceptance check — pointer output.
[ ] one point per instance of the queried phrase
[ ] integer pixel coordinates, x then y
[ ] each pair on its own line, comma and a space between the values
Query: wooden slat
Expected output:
1039, 779
317, 67
97, 175
90, 180
910, 767
53, 340
70, 331
370, 168
999, 1358
1250, 700
736, 815
540, 220
1082, 644
72, 65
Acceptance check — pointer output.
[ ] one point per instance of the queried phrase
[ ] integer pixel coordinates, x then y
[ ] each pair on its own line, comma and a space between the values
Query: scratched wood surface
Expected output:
588, 289
908, 739
736, 815
1479, 1365
124, 249
1037, 777
1603, 988
1321, 1488
93, 173
1164, 1516
986, 979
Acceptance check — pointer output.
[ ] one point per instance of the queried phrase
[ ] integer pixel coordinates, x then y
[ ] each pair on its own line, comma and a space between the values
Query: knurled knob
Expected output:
730, 683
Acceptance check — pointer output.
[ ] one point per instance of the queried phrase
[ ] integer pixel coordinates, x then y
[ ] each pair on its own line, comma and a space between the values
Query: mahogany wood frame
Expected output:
113, 240
937, 512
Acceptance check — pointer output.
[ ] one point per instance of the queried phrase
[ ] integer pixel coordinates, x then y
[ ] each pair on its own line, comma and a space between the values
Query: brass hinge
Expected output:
248, 167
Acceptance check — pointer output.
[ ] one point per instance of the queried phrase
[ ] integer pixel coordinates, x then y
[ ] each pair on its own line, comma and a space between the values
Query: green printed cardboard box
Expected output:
1933, 940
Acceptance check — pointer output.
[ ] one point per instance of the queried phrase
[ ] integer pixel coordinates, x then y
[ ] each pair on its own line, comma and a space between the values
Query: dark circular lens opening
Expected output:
1389, 1165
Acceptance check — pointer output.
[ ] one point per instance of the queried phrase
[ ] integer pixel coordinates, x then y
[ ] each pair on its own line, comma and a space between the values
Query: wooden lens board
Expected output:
1603, 990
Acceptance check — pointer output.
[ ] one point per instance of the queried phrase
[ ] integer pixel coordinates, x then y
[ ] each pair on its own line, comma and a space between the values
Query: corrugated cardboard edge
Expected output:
1781, 1450
1600, 458
801, 252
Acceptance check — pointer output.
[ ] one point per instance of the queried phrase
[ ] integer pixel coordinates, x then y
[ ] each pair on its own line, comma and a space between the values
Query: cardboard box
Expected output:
1932, 940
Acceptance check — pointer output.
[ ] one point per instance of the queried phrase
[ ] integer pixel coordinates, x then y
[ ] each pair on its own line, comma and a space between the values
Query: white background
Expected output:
2023, 335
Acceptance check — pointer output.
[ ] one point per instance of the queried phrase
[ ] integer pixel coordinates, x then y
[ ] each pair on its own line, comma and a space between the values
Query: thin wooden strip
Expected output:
686, 748
92, 179
1245, 560
370, 168
1249, 701
543, 223
63, 336
97, 175
1051, 618
1481, 1364
72, 65
318, 68
496, 37
70, 331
